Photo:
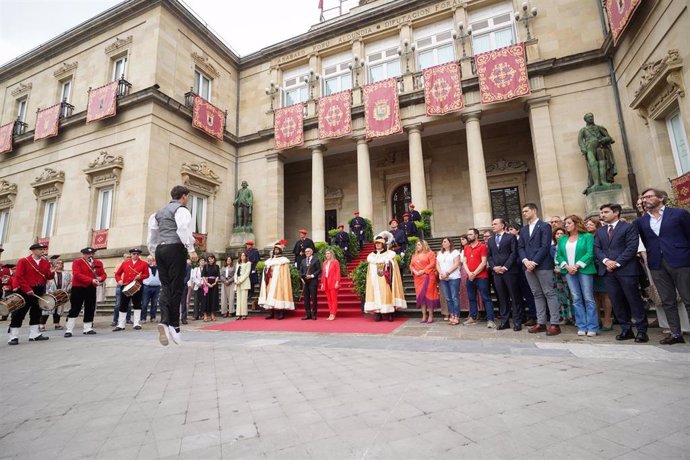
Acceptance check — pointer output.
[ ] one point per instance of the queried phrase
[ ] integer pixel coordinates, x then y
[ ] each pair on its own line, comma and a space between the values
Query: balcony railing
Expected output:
66, 109
19, 127
123, 87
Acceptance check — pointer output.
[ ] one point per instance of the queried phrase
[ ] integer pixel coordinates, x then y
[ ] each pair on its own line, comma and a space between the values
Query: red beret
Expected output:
303, 231
356, 212
407, 214
249, 243
411, 205
393, 220
341, 226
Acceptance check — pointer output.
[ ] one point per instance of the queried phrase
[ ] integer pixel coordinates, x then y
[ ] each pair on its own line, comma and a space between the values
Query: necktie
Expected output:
498, 240
308, 260
610, 231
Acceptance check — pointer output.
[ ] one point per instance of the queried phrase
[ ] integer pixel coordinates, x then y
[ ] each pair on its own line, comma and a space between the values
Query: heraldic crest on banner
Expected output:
442, 89
620, 12
381, 108
289, 127
102, 102
503, 74
208, 118
47, 122
335, 117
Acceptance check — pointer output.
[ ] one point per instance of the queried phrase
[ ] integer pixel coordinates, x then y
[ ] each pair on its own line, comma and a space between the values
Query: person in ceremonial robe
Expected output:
31, 276
384, 288
276, 284
87, 273
131, 270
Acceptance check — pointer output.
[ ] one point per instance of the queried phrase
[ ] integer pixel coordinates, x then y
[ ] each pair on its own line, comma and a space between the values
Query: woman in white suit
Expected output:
242, 285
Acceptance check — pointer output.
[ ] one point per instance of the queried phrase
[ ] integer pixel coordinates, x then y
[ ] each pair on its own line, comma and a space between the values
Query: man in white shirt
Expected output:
170, 239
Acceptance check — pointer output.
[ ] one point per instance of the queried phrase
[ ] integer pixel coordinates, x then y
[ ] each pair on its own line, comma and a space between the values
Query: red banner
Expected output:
47, 122
200, 241
442, 89
502, 74
6, 137
289, 127
620, 12
681, 189
99, 239
208, 118
102, 102
335, 115
381, 108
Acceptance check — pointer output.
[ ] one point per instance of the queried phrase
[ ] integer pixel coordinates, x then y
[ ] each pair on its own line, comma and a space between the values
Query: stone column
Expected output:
479, 187
417, 178
318, 201
364, 195
274, 208
545, 160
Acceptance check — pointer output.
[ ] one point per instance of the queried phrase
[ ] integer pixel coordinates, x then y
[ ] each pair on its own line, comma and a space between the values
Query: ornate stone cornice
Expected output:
199, 177
49, 183
65, 68
203, 63
503, 166
118, 44
105, 169
21, 89
8, 192
661, 83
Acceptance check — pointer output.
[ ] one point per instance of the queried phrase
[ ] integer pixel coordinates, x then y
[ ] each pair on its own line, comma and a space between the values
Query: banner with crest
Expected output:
620, 12
289, 126
208, 118
502, 74
99, 239
6, 132
102, 102
335, 115
47, 122
442, 89
381, 108
681, 189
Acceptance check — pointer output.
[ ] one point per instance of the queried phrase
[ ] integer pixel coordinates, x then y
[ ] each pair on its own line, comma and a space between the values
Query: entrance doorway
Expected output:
331, 220
505, 203
400, 200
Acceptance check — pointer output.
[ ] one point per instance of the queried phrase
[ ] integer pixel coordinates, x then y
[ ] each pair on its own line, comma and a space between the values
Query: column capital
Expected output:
321, 147
274, 156
416, 128
537, 102
361, 139
474, 115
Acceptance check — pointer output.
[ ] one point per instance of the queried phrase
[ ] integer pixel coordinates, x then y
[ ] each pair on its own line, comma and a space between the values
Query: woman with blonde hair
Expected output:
423, 269
330, 282
242, 284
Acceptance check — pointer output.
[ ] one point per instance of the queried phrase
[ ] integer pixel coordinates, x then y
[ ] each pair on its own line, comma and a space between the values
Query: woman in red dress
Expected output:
330, 282
423, 268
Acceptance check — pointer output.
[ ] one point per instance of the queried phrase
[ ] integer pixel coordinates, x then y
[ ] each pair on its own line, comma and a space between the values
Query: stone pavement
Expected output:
420, 393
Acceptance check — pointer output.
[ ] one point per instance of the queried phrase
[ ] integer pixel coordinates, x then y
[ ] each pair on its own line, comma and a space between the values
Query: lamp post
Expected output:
271, 92
526, 17
355, 66
311, 79
462, 36
405, 52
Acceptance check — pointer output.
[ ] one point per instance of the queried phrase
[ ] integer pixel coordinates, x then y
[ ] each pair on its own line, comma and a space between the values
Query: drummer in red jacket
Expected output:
130, 275
87, 273
31, 273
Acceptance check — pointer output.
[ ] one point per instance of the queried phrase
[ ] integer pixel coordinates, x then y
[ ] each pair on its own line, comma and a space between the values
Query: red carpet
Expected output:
346, 325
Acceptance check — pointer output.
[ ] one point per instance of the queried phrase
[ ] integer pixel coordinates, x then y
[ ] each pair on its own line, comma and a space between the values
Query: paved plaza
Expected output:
423, 392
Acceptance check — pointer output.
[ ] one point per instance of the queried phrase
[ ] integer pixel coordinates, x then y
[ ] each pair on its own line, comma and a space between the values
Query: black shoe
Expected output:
313, 318
503, 327
627, 335
38, 338
641, 337
113, 324
670, 340
117, 329
89, 332
68, 335
306, 317
137, 327
281, 315
184, 321
14, 341
378, 317
271, 316
390, 317
517, 328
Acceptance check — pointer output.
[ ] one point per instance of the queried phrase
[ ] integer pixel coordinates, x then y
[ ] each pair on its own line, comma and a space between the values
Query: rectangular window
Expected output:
65, 90
119, 67
383, 64
105, 209
337, 77
4, 224
197, 207
295, 89
679, 142
492, 28
21, 109
434, 45
202, 85
48, 218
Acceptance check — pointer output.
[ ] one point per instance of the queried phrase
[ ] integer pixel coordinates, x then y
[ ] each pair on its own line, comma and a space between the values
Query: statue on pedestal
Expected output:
595, 145
244, 203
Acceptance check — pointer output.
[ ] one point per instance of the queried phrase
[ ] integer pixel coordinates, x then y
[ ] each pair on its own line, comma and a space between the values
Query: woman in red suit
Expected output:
330, 282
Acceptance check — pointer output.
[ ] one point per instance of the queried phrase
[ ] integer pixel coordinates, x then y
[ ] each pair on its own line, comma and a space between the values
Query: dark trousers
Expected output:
125, 299
172, 264
309, 293
56, 318
30, 306
668, 280
83, 297
118, 299
198, 302
627, 303
508, 290
183, 303
150, 297
525, 298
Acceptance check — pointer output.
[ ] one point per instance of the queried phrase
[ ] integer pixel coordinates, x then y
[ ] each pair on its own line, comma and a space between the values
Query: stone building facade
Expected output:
465, 167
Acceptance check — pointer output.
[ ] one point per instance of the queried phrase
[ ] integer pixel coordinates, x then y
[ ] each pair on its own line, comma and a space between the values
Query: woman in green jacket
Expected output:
575, 257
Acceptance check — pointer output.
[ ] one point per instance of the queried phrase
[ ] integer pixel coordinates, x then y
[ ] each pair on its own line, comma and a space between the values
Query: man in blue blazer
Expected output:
615, 247
534, 248
503, 263
665, 233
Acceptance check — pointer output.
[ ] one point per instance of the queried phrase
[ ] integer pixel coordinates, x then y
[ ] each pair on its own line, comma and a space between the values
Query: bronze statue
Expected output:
595, 145
244, 203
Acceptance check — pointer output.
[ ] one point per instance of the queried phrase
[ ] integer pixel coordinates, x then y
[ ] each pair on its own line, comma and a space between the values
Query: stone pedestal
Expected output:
237, 240
613, 193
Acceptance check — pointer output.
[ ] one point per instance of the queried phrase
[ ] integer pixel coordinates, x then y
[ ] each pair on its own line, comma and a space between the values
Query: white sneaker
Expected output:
581, 333
491, 325
591, 334
163, 334
174, 335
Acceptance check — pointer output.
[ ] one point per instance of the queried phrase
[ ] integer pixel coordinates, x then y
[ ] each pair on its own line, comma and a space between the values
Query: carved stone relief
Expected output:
49, 183
200, 177
203, 63
661, 84
104, 169
118, 44
8, 192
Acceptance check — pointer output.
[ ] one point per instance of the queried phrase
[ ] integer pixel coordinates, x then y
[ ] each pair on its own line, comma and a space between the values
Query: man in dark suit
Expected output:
615, 247
534, 248
502, 259
665, 233
309, 271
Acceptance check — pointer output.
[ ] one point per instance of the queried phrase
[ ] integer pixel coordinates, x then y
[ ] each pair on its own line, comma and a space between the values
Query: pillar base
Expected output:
609, 194
237, 239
